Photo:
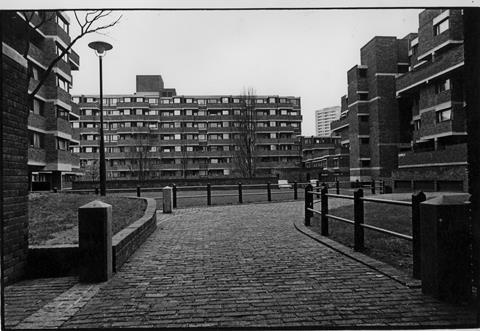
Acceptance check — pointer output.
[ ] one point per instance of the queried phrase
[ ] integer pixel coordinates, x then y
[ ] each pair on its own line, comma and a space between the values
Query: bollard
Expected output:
359, 239
138, 191
174, 191
269, 192
324, 210
373, 186
96, 190
95, 242
337, 186
357, 183
240, 198
209, 195
416, 245
55, 190
445, 247
167, 200
295, 191
308, 204
318, 183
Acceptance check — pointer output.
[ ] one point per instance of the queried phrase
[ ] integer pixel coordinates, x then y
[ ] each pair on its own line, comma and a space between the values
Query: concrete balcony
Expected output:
74, 60
451, 154
37, 54
37, 121
446, 62
60, 160
37, 157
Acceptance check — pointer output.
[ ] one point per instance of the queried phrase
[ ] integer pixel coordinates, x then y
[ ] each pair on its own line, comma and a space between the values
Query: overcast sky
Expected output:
293, 53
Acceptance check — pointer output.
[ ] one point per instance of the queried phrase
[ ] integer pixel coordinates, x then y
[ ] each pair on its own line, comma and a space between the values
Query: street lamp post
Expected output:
101, 49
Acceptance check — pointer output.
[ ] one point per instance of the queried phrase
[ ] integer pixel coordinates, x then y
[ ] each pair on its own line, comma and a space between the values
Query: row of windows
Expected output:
37, 140
443, 115
201, 137
171, 125
184, 112
179, 100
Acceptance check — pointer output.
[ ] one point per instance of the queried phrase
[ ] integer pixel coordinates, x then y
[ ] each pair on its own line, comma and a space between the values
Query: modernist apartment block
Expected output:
370, 123
51, 164
431, 96
323, 118
150, 134
326, 153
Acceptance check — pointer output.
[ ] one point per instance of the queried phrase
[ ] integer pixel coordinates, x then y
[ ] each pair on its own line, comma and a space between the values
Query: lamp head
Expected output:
100, 47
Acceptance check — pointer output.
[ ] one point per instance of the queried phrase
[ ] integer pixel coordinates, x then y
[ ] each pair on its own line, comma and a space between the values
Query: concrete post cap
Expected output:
167, 187
449, 200
95, 204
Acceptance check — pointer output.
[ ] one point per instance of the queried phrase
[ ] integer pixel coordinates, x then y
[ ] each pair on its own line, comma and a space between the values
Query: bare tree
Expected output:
92, 171
184, 157
245, 157
141, 158
89, 22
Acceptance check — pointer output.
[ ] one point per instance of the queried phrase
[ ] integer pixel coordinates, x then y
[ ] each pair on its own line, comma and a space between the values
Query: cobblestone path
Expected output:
247, 266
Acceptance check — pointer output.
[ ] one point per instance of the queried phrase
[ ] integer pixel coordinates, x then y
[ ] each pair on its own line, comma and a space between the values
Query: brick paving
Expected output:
247, 266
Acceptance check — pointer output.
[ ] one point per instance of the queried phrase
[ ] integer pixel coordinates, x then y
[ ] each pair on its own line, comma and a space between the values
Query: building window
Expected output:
62, 113
201, 101
363, 119
441, 27
60, 50
37, 107
61, 23
443, 85
364, 141
36, 139
362, 72
153, 101
417, 124
62, 144
127, 100
188, 100
63, 84
365, 163
225, 100
362, 96
444, 115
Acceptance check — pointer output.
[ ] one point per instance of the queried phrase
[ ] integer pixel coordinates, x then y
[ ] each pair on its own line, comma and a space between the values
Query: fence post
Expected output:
373, 186
337, 186
359, 243
382, 186
138, 191
174, 191
318, 182
96, 190
324, 210
240, 198
209, 195
416, 244
308, 204
295, 191
269, 192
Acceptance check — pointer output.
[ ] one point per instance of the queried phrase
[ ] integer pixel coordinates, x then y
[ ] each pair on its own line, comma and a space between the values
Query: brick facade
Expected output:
14, 168
432, 95
370, 124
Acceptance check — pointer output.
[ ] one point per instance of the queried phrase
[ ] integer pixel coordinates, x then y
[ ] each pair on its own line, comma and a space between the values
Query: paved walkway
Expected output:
242, 266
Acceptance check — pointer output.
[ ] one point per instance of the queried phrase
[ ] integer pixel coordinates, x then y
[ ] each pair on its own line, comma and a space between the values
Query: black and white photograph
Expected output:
224, 165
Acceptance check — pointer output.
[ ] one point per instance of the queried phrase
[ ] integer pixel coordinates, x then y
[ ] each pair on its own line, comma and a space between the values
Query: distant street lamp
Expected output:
101, 49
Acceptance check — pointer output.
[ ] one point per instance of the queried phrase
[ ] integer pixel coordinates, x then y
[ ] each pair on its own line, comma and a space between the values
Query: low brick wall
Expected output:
129, 239
52, 261
62, 260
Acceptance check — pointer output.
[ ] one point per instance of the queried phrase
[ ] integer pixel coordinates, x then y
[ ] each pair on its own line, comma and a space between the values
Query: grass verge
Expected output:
51, 214
394, 251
